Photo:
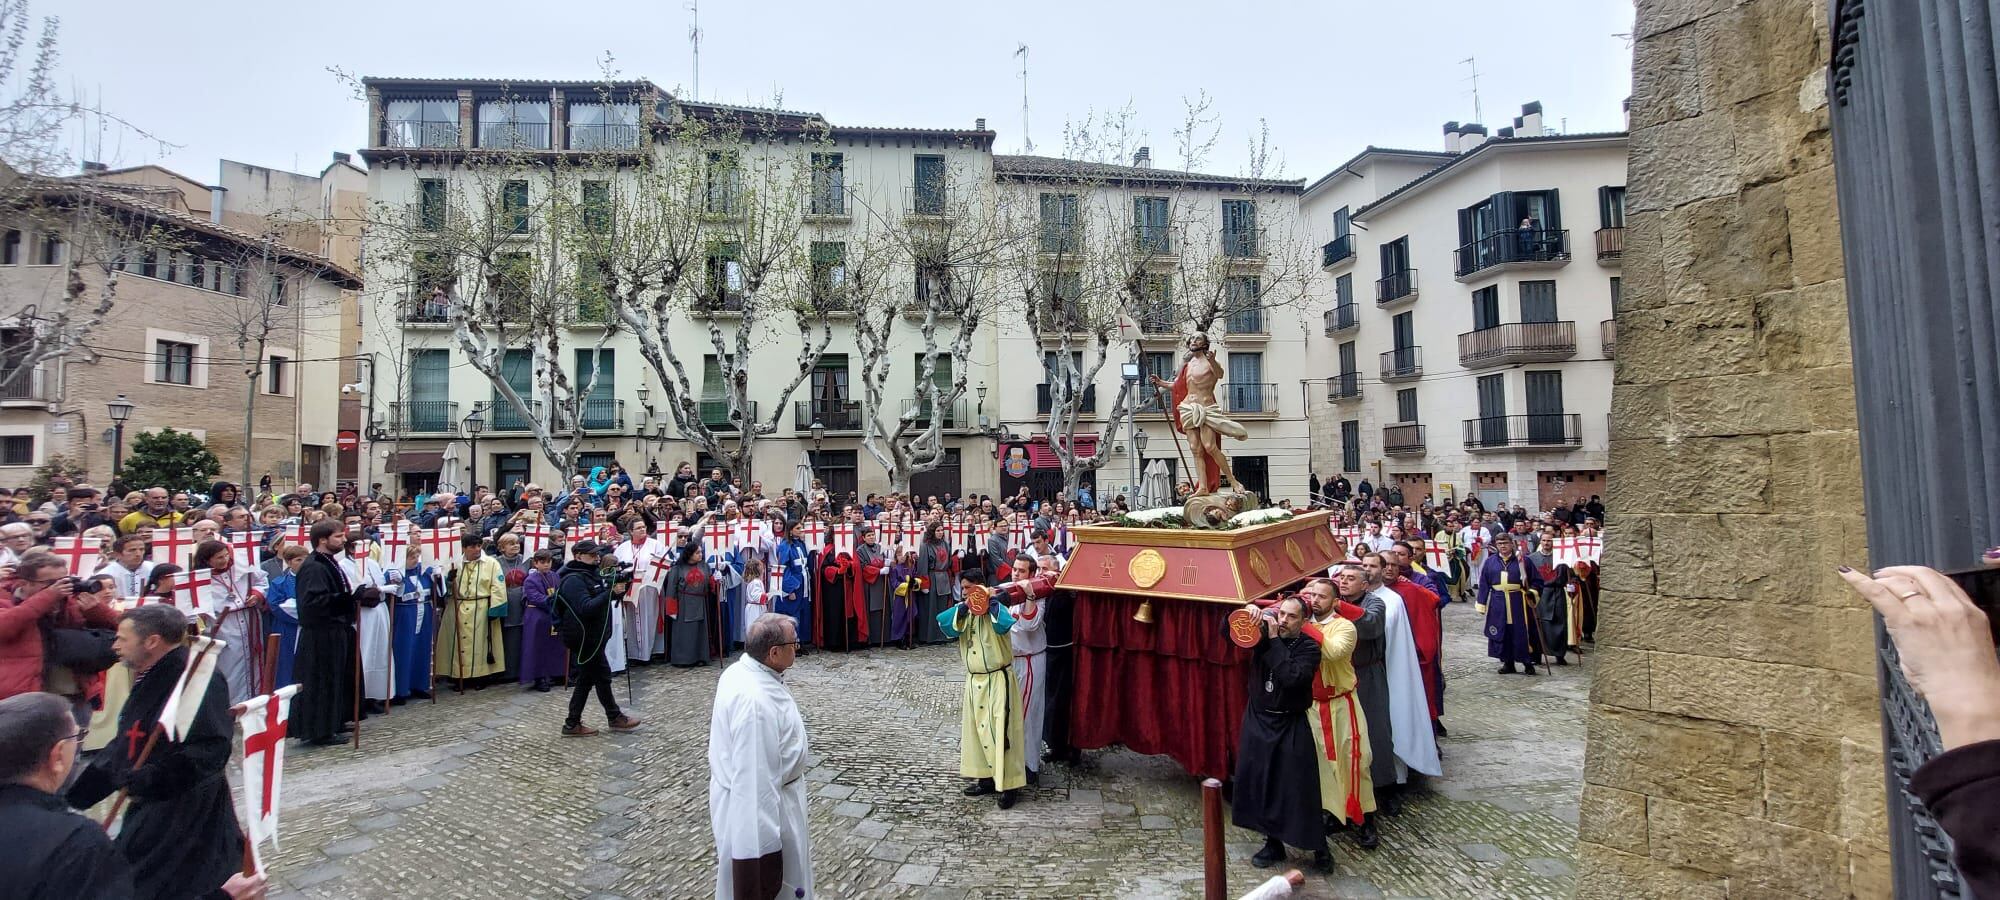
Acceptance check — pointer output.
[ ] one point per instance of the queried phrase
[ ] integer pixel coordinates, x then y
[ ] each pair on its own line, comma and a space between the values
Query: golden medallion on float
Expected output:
1324, 541
1147, 567
1260, 567
1293, 553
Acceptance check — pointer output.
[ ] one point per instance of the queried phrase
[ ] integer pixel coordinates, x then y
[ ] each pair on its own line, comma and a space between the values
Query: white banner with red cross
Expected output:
173, 545
188, 587
81, 556
439, 548
264, 723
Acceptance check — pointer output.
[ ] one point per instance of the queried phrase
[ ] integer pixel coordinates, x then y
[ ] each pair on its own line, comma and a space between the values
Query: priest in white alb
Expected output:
756, 771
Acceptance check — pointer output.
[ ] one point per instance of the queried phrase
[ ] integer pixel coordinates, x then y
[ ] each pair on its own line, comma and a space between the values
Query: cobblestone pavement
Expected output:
478, 797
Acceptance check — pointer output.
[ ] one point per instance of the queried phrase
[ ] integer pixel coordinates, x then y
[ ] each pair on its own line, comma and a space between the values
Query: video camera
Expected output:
616, 575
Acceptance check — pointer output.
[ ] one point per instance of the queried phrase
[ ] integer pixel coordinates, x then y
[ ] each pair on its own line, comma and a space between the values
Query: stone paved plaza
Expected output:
478, 797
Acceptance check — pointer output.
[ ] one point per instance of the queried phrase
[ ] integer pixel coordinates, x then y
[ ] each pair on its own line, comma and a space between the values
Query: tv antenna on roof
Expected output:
1027, 143
694, 38
1477, 117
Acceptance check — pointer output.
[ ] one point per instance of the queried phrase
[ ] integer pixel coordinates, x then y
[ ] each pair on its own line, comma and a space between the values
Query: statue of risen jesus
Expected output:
1199, 416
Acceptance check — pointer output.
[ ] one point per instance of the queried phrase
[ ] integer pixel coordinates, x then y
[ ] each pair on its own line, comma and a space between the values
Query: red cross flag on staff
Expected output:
243, 545
394, 537
584, 532
1437, 556
173, 545
188, 586
79, 555
439, 547
297, 533
655, 574
265, 724
843, 539
814, 533
534, 538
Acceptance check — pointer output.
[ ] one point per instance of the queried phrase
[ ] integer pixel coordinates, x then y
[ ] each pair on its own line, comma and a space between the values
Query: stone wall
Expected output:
1733, 744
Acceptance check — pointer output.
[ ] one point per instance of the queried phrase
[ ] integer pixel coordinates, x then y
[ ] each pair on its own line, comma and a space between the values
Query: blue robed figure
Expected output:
414, 632
794, 561
1505, 585
284, 623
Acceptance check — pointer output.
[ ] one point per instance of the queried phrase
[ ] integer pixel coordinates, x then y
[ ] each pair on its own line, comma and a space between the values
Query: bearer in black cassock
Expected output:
1061, 628
180, 833
1277, 775
324, 663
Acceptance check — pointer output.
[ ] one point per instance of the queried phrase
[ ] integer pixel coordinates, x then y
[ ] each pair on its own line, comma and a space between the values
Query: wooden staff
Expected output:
457, 636
152, 739
357, 674
1214, 870
271, 649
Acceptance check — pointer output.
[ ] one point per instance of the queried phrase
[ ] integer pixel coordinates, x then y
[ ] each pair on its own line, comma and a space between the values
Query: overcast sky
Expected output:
249, 81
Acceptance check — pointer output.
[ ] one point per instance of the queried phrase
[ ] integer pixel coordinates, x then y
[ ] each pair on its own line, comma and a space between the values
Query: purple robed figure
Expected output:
902, 602
542, 656
1510, 624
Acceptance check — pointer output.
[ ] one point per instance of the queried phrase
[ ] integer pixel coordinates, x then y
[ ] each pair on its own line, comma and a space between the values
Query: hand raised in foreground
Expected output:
1945, 644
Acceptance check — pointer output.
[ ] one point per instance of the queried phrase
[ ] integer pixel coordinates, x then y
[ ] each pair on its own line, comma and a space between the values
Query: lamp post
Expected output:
1139, 440
1130, 371
475, 422
120, 409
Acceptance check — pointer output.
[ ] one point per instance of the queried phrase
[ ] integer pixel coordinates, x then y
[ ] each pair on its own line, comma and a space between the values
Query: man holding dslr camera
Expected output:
584, 603
41, 614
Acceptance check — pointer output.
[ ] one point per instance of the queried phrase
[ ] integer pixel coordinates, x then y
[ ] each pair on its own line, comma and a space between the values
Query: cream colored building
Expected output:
422, 135
1466, 331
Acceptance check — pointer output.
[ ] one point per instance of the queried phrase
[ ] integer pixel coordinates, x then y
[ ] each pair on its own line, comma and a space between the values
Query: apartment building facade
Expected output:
427, 143
186, 287
1468, 319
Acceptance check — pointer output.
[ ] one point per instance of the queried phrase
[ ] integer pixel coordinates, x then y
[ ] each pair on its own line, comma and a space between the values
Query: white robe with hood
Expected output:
756, 777
1409, 707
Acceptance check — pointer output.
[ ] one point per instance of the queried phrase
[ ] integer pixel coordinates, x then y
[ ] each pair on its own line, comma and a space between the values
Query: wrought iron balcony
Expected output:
1344, 386
1517, 342
32, 385
602, 414
1243, 243
1337, 251
1247, 321
603, 136
1044, 402
1403, 364
425, 417
503, 417
826, 198
514, 136
1557, 431
1059, 238
1152, 240
1159, 318
716, 415
919, 412
1344, 317
1608, 333
434, 134
1611, 245
1251, 399
930, 201
1151, 402
834, 415
1396, 286
1406, 439
1524, 248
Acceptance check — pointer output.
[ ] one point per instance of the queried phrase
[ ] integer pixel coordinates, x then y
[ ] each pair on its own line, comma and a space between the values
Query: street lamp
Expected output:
1130, 372
475, 422
1139, 440
121, 409
818, 430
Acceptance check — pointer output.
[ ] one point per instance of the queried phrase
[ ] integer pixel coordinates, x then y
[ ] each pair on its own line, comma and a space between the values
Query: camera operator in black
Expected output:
584, 603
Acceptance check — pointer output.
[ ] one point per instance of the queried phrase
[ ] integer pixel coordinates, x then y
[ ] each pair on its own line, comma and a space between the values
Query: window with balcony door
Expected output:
827, 394
1157, 315
928, 194
715, 395
829, 274
1151, 363
513, 125
277, 375
723, 187
595, 202
52, 250
1617, 294
1511, 226
514, 207
1406, 405
941, 378
934, 282
1538, 301
1343, 290
725, 278
1403, 332
1486, 308
421, 122
1611, 206
432, 204
1061, 293
517, 370
10, 248
173, 363
1149, 225
430, 392
1546, 419
603, 126
597, 383
1397, 280
1243, 300
1239, 228
1350, 445
829, 185
1345, 353
512, 287
1246, 384
1062, 230
1082, 395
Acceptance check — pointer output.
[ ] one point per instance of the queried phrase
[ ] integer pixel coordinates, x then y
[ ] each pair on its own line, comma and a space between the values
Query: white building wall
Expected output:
1446, 393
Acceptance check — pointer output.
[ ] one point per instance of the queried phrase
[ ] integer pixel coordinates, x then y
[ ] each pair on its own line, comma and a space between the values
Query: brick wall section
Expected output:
1733, 746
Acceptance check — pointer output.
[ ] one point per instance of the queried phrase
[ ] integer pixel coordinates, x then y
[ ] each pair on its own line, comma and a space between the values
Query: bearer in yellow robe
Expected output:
468, 640
1339, 725
990, 721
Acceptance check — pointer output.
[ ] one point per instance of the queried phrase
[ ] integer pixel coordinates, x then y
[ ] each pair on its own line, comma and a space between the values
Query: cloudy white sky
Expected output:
249, 80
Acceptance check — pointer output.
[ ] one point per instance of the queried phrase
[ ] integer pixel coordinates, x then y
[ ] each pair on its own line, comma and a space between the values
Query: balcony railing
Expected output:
1554, 430
715, 415
601, 414
1540, 247
1159, 318
425, 133
1043, 402
1608, 333
919, 412
927, 202
425, 416
424, 307
1517, 342
1062, 238
1152, 240
1151, 402
1610, 244
1344, 386
502, 416
826, 199
1395, 286
1243, 243
32, 385
603, 136
710, 302
1406, 439
433, 215
833, 415
1251, 399
1402, 363
1341, 318
514, 136
1246, 321
1337, 251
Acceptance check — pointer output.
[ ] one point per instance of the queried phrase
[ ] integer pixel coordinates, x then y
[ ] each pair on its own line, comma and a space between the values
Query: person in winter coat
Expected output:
584, 605
38, 592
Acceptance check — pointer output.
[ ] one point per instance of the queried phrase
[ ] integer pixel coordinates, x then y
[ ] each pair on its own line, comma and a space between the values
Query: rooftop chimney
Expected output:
215, 193
1504, 132
91, 167
1143, 158
1470, 135
339, 157
1530, 122
1451, 137
979, 124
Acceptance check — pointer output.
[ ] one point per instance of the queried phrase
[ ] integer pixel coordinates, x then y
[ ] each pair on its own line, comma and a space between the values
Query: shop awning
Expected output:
418, 461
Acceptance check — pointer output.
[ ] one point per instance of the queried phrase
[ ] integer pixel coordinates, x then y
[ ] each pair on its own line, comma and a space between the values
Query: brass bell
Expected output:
1145, 613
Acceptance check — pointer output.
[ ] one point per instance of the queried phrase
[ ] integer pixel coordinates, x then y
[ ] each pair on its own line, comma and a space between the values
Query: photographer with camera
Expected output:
51, 638
586, 598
